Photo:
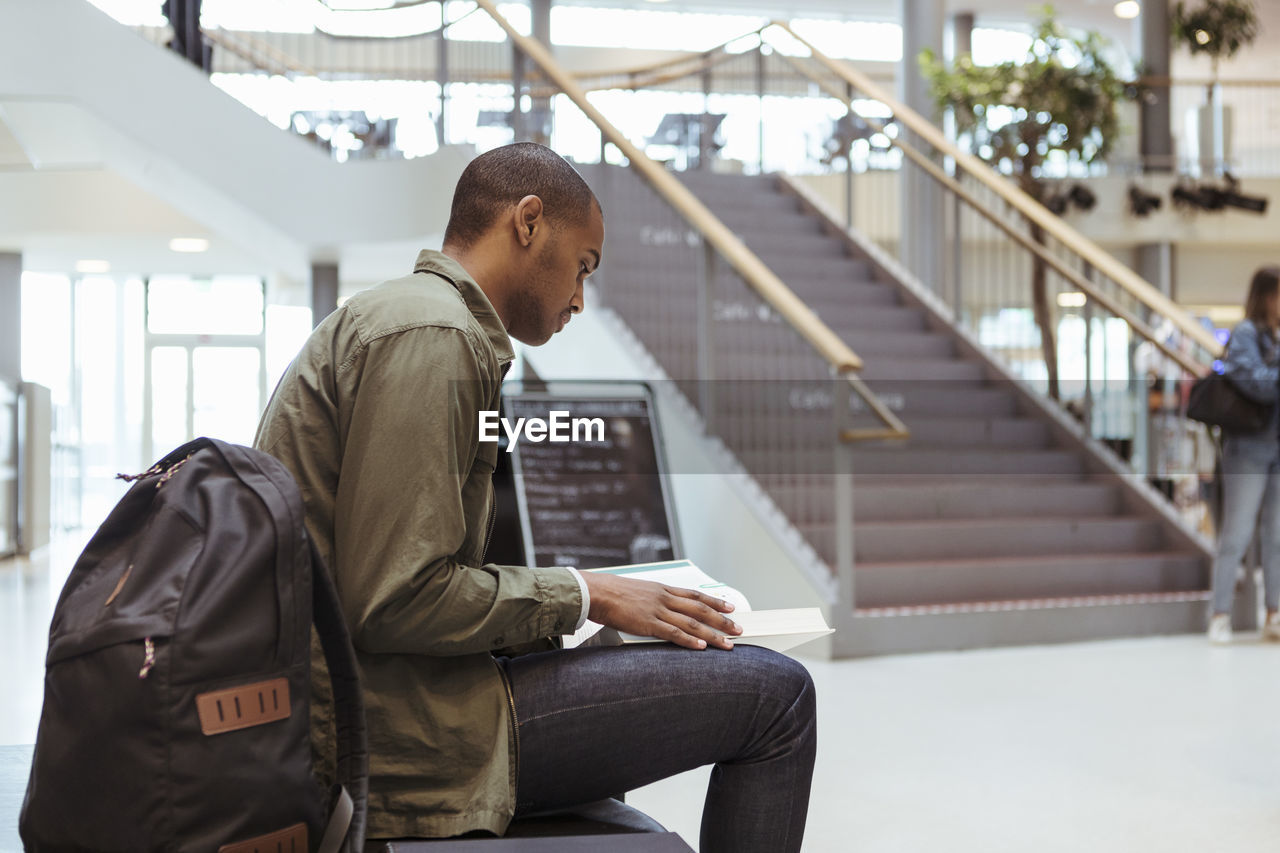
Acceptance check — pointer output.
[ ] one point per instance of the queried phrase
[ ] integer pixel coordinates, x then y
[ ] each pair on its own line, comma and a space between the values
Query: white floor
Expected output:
1162, 745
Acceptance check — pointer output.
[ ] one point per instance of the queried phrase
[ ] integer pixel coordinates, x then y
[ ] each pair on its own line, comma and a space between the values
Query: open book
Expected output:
779, 630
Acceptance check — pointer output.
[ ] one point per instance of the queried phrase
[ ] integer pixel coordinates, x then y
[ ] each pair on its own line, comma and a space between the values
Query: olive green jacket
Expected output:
377, 419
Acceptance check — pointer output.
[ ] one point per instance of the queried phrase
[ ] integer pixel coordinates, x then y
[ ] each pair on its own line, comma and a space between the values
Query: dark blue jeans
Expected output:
597, 722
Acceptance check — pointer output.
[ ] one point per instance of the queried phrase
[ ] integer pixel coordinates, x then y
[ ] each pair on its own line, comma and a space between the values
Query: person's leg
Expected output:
1269, 533
1244, 481
597, 722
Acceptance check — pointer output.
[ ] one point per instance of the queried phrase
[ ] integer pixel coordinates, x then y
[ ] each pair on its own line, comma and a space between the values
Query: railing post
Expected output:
704, 124
848, 161
442, 77
760, 85
1087, 406
842, 504
706, 334
517, 93
957, 256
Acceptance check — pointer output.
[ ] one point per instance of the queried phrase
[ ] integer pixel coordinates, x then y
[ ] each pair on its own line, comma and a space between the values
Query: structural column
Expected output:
1156, 132
922, 215
539, 125
961, 35
10, 316
324, 291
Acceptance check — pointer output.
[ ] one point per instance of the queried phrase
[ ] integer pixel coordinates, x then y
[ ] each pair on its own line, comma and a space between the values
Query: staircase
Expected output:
995, 523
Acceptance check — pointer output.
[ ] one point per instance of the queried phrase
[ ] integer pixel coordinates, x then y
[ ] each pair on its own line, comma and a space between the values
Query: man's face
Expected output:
552, 292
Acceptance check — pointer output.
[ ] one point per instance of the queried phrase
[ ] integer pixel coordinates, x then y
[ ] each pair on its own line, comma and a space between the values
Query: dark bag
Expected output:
1215, 401
177, 686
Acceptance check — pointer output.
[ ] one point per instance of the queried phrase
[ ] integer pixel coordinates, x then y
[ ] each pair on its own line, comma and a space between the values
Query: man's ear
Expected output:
529, 220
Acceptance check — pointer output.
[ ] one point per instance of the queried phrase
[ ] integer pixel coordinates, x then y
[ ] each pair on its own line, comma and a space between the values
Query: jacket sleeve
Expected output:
1245, 367
401, 521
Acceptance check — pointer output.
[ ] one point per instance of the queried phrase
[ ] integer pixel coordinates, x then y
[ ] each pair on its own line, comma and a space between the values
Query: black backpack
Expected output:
176, 706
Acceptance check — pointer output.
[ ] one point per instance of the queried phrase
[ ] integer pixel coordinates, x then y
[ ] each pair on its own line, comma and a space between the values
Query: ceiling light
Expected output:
93, 267
1128, 9
189, 244
1071, 299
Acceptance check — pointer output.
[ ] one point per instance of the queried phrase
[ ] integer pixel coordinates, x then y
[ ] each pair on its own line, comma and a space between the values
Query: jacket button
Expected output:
559, 624
500, 641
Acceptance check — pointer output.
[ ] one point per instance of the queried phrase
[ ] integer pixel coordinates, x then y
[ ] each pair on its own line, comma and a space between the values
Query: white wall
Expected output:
80, 92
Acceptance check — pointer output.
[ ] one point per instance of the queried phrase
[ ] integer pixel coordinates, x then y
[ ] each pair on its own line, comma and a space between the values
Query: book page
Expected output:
677, 573
779, 630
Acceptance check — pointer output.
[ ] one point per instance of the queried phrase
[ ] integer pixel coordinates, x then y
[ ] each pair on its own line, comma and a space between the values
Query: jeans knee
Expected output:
785, 682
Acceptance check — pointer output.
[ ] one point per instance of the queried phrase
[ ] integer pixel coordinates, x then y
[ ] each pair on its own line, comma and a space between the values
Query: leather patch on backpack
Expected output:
291, 840
243, 707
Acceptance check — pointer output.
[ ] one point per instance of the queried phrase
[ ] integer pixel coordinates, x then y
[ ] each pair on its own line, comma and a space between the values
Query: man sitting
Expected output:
474, 716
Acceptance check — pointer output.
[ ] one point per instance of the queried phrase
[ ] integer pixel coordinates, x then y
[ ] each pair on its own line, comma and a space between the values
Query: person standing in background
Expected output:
188, 39
1251, 461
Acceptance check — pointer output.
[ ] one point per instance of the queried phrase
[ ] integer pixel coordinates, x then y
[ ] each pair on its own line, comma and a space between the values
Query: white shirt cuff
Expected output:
586, 598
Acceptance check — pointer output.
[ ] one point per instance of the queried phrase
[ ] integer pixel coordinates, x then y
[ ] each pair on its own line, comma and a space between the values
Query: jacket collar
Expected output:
437, 263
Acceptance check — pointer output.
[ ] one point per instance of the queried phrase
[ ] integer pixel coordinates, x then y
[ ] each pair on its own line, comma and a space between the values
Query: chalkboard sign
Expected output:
590, 477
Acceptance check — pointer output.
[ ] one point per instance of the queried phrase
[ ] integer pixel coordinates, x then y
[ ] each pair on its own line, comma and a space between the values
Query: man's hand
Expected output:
682, 616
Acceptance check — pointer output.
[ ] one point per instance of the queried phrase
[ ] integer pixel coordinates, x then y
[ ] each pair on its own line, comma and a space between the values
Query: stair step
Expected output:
767, 430
873, 344
926, 399
927, 461
985, 624
810, 398
1003, 579
790, 265
735, 300
915, 541
952, 500
722, 198
792, 242
1055, 603
949, 461
809, 365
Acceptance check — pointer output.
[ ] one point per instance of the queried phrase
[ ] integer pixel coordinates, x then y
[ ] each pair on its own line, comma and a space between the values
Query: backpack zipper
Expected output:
148, 657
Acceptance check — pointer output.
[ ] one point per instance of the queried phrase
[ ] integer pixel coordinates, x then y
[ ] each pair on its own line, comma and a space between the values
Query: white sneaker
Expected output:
1271, 628
1220, 629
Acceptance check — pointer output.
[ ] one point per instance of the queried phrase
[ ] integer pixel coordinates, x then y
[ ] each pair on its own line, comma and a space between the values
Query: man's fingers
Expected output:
673, 634
701, 609
709, 600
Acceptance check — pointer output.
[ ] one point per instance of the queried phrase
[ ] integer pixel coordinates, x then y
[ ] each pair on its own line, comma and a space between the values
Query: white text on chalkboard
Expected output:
558, 428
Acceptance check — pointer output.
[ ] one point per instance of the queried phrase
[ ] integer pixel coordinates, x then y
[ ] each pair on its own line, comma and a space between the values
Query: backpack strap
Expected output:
348, 705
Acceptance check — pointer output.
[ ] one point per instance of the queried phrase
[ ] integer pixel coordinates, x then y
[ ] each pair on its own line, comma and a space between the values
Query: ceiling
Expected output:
141, 218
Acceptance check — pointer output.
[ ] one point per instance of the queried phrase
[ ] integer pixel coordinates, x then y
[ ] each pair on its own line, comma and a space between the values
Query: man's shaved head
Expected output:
499, 179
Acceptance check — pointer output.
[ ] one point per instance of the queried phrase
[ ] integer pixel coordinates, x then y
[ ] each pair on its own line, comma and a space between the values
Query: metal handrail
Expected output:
1042, 252
838, 355
1031, 209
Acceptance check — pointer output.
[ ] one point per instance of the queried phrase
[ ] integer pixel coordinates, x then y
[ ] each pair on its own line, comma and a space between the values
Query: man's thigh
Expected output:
596, 722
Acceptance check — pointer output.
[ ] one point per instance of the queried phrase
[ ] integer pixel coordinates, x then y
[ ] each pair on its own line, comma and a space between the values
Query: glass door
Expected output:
206, 360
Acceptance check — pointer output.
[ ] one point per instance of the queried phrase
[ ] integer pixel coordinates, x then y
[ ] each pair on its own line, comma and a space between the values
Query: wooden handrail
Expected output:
690, 56
1168, 82
264, 58
836, 352
1035, 212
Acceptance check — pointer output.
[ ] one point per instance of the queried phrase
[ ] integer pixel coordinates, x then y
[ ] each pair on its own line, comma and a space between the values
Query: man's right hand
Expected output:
682, 616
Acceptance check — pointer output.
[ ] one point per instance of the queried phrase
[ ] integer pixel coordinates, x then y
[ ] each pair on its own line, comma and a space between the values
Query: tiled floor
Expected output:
1161, 745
